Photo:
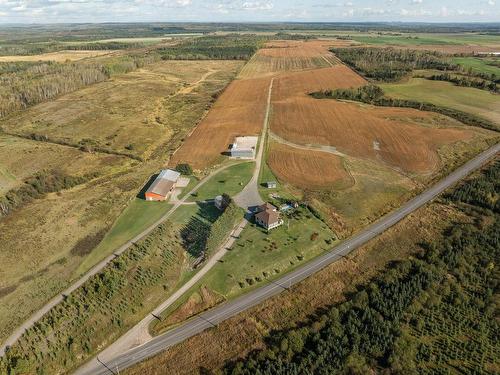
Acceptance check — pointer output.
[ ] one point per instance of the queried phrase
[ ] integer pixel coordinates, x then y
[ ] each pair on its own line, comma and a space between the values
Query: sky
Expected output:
61, 11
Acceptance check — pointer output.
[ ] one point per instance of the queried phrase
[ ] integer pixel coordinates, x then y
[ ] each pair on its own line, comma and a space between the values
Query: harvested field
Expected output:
60, 56
364, 131
291, 55
302, 83
240, 110
307, 169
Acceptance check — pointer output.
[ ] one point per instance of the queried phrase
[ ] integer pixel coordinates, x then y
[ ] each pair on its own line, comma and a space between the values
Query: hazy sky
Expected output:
45, 11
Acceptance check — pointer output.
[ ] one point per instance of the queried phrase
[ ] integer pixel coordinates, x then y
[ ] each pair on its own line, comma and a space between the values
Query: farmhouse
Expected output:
244, 147
162, 186
268, 216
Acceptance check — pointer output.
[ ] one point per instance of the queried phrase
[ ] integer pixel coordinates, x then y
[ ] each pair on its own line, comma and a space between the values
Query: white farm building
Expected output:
244, 147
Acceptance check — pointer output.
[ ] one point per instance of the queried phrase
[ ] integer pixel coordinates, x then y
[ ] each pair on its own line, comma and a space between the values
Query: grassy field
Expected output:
60, 56
230, 181
138, 215
478, 65
478, 102
126, 114
45, 242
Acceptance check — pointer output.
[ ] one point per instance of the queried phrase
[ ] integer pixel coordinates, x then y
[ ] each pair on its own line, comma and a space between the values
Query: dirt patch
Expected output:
307, 169
239, 111
7, 290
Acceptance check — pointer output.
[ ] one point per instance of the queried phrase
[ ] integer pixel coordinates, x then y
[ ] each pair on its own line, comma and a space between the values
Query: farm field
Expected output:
285, 56
239, 111
49, 241
307, 169
466, 99
60, 56
125, 114
479, 65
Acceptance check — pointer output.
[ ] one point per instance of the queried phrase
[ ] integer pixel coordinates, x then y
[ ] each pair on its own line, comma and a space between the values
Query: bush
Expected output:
184, 169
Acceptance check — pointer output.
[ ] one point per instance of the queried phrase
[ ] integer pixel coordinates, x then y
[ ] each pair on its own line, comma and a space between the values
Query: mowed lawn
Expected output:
257, 255
138, 215
466, 99
230, 181
478, 65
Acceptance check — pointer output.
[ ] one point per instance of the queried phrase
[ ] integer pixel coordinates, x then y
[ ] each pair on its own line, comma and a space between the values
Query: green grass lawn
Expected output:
477, 65
230, 181
466, 99
258, 255
135, 218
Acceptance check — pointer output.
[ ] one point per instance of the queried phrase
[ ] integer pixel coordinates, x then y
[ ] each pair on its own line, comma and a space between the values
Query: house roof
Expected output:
267, 207
268, 217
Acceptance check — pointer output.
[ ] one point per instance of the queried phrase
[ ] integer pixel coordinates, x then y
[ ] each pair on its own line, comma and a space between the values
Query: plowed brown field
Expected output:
240, 110
291, 55
307, 169
363, 131
384, 134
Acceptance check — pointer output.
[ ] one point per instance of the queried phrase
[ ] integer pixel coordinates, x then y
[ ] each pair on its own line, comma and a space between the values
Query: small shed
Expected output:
271, 184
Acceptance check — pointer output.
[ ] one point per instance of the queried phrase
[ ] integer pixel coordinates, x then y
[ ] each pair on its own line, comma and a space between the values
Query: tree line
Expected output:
463, 81
374, 95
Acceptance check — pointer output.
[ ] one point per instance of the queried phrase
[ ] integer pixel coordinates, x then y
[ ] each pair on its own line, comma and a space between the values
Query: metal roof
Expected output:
170, 175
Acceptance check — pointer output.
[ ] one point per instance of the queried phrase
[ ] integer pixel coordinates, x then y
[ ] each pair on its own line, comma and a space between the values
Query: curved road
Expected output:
220, 313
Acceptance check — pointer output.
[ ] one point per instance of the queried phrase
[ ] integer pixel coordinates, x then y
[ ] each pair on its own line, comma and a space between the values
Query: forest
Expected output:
389, 64
434, 313
374, 95
227, 47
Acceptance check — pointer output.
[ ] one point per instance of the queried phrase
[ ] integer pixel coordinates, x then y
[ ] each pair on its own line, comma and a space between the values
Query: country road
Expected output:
99, 266
222, 312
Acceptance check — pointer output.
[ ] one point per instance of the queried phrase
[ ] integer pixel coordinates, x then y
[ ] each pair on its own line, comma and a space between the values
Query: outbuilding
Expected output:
162, 186
244, 147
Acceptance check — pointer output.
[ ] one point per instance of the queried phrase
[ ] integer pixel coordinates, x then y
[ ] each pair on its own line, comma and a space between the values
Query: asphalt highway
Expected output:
220, 313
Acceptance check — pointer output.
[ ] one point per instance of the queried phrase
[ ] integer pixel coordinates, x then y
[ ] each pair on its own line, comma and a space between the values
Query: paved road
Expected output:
249, 196
98, 267
220, 313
